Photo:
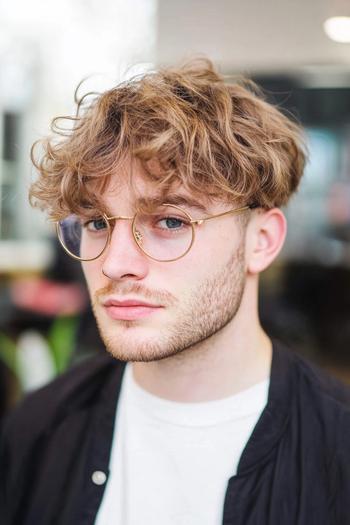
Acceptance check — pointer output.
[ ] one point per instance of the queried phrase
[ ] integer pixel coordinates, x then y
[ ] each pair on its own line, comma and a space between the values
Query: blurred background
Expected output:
299, 52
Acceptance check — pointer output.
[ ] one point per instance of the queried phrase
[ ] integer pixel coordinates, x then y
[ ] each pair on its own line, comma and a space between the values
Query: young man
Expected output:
168, 190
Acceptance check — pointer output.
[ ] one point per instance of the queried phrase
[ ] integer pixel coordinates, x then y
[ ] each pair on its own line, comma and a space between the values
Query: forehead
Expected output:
137, 192
133, 186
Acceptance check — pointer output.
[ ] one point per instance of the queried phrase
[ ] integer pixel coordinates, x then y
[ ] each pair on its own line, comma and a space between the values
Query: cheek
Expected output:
205, 258
215, 246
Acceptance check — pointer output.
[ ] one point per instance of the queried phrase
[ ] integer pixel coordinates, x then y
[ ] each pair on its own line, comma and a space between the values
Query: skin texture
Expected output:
205, 342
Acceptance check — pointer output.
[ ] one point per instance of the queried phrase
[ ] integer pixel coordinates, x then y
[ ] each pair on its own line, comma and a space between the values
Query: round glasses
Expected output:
166, 234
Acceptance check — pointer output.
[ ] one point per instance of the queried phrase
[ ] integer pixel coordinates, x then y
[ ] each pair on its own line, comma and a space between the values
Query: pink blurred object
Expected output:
339, 203
48, 297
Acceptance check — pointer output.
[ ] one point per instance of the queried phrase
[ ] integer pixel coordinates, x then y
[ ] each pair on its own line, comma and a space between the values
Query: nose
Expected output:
123, 259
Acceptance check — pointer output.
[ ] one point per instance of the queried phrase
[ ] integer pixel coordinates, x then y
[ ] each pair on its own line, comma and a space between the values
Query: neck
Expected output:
233, 359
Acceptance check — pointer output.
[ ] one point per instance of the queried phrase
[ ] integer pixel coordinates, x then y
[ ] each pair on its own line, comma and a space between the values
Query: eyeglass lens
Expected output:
164, 234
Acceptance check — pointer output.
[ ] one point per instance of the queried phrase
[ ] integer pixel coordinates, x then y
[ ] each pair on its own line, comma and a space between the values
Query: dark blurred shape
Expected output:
310, 310
313, 106
322, 294
11, 126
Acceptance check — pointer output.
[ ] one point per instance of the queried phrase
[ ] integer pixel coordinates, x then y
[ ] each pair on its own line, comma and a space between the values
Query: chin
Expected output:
137, 351
133, 341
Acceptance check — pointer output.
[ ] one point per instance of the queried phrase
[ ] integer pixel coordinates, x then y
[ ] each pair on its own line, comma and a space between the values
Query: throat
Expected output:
206, 375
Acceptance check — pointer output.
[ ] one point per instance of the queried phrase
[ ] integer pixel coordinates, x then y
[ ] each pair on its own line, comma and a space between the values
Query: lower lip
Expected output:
130, 313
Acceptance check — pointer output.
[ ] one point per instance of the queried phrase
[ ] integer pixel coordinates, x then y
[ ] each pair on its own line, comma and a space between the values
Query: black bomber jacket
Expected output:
294, 470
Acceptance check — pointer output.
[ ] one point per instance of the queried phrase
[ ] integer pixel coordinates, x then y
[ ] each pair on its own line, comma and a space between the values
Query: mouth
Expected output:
129, 309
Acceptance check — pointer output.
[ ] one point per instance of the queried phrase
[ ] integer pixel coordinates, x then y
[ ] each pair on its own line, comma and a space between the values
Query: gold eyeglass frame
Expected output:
136, 233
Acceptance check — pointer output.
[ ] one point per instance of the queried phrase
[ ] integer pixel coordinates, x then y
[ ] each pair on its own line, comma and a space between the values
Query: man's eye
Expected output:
95, 225
171, 223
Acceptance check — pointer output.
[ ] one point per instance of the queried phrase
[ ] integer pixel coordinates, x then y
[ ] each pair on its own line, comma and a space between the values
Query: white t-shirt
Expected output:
170, 462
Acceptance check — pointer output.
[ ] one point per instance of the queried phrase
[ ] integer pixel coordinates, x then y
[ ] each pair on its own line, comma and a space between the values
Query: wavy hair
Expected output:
217, 139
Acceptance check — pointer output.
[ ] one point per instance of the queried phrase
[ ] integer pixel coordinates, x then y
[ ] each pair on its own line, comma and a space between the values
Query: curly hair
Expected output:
216, 139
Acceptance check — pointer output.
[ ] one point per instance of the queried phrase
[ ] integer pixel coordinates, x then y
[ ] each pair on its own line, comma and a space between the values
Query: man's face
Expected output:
187, 301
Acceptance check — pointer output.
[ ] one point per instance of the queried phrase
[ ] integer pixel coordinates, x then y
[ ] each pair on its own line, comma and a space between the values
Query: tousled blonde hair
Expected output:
183, 125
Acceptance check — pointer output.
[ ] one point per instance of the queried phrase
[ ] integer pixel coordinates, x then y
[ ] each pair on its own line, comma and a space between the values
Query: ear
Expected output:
266, 234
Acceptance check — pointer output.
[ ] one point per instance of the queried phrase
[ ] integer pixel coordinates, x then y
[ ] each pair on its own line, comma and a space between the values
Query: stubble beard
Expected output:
208, 309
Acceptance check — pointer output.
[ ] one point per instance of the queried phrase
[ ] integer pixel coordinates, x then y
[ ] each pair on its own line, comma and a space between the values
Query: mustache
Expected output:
142, 292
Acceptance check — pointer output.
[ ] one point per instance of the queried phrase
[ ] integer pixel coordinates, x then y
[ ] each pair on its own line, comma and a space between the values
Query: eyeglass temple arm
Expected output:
236, 210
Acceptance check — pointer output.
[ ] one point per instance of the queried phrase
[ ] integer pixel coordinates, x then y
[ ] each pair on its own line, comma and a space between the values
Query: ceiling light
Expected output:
337, 28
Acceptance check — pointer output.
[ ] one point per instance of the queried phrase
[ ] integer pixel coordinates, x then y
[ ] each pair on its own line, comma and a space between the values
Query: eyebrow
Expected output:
176, 199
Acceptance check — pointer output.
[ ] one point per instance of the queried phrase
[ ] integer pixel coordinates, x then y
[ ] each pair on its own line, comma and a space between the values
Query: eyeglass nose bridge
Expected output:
137, 235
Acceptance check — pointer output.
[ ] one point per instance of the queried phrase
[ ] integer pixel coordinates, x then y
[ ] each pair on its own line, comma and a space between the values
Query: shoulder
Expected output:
319, 416
325, 389
76, 389
318, 400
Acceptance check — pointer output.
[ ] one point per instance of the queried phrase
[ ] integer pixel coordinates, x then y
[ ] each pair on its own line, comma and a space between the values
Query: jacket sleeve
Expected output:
16, 444
340, 497
4, 474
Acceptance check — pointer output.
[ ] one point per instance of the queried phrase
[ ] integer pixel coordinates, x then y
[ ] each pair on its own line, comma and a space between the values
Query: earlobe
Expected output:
265, 239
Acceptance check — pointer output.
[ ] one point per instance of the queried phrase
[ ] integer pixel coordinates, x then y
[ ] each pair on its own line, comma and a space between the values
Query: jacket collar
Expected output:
274, 418
268, 430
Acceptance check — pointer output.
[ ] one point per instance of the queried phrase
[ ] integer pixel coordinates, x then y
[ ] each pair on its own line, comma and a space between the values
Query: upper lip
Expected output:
128, 302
